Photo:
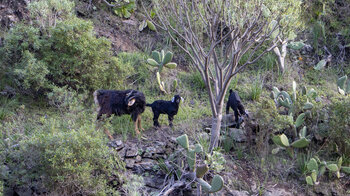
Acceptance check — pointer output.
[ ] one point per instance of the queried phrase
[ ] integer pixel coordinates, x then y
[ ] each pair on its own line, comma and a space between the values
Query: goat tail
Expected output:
149, 104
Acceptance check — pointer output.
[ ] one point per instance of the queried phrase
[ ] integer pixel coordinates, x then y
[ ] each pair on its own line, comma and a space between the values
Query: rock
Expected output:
116, 144
154, 182
121, 153
277, 192
23, 191
238, 135
138, 159
149, 152
132, 151
8, 91
318, 99
239, 193
129, 163
130, 22
147, 164
204, 136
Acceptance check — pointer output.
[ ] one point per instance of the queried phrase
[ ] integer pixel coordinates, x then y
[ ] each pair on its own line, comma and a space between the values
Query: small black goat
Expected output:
165, 107
234, 101
120, 102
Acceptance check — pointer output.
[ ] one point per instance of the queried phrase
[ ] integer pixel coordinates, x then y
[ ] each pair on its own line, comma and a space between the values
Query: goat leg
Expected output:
139, 123
136, 128
109, 134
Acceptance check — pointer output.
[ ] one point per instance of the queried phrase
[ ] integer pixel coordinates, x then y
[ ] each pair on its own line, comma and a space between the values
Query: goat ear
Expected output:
131, 101
182, 99
173, 99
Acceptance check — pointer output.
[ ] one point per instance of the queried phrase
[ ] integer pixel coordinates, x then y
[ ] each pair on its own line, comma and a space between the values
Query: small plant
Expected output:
124, 8
256, 90
160, 60
282, 98
196, 171
316, 169
147, 23
343, 85
282, 141
200, 170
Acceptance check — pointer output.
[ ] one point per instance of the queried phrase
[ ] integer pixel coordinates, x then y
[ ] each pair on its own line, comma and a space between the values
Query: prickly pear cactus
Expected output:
217, 182
343, 85
162, 59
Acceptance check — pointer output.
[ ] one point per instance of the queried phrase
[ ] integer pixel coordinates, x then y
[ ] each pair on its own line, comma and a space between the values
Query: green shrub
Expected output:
193, 80
59, 154
339, 120
269, 120
58, 49
63, 161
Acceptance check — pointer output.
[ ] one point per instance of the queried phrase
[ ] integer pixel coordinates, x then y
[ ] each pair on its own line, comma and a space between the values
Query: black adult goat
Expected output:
120, 102
234, 101
165, 107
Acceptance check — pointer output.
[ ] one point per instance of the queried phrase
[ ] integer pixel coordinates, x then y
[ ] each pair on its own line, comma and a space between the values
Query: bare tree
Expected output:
216, 34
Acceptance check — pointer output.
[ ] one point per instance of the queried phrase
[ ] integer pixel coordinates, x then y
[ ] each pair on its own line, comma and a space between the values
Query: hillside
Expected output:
295, 139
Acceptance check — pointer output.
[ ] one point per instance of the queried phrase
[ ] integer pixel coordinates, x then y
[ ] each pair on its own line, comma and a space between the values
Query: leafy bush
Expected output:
58, 49
63, 161
339, 120
59, 154
269, 121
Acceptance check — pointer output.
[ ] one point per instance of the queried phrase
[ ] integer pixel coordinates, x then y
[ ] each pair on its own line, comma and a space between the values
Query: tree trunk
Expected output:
281, 55
215, 129
281, 63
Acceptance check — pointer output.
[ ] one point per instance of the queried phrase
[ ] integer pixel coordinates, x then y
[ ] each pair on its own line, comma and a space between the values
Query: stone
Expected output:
277, 192
138, 159
147, 164
239, 193
238, 135
23, 191
129, 163
121, 153
132, 151
149, 152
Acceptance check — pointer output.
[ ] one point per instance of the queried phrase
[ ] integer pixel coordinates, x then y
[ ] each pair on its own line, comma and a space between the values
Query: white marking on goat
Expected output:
173, 99
96, 101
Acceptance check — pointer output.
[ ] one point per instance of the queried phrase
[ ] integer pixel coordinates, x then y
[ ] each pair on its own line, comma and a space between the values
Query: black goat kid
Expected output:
234, 102
165, 107
120, 102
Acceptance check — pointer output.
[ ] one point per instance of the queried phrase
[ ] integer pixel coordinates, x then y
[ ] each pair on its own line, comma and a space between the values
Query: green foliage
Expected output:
160, 60
193, 80
296, 45
316, 168
290, 13
147, 23
320, 65
200, 170
256, 89
61, 52
134, 185
59, 154
343, 85
339, 120
183, 141
269, 120
124, 8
